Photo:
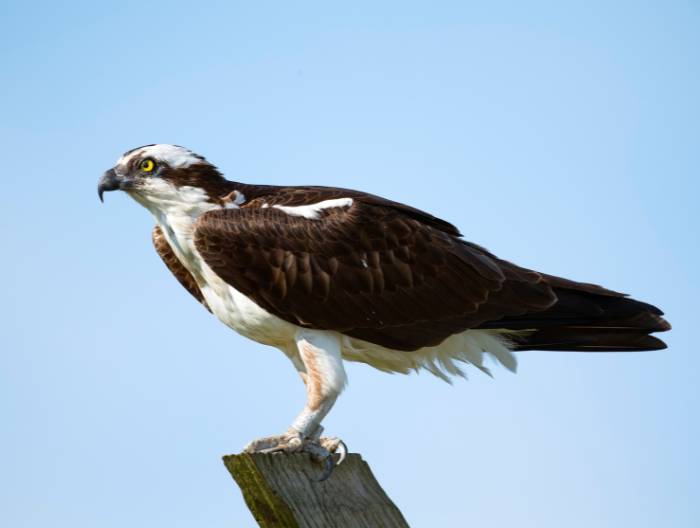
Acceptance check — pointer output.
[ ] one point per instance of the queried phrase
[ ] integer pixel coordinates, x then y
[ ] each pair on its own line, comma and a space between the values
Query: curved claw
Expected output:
343, 453
329, 469
272, 450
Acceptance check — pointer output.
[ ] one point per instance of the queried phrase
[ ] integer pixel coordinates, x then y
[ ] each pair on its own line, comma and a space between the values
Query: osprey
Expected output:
327, 275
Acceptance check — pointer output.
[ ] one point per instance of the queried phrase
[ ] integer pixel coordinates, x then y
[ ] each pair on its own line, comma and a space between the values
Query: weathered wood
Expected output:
280, 493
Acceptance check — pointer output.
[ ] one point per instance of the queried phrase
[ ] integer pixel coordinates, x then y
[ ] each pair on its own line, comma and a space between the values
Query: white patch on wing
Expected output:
312, 211
238, 201
176, 157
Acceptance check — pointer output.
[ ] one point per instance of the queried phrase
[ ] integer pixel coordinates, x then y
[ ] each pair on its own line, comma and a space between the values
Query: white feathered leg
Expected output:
325, 379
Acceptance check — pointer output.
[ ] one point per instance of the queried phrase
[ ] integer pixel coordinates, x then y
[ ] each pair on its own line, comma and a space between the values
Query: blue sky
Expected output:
561, 136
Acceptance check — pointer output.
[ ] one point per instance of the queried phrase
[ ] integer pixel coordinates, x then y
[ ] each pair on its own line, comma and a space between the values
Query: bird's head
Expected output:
157, 174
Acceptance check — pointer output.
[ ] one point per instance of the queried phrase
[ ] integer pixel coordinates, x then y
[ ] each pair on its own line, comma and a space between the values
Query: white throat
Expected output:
176, 210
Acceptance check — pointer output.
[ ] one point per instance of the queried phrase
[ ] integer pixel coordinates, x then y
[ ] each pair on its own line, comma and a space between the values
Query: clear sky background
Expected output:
560, 135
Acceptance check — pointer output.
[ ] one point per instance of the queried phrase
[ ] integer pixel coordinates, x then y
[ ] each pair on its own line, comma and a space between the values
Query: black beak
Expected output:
111, 181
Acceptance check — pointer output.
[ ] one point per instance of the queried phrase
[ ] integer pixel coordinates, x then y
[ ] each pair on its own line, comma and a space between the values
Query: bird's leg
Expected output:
325, 378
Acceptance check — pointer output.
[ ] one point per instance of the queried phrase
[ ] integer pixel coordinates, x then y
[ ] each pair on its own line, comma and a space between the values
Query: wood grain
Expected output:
280, 492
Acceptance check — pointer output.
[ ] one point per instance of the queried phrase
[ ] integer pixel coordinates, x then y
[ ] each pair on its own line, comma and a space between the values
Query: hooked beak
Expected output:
111, 181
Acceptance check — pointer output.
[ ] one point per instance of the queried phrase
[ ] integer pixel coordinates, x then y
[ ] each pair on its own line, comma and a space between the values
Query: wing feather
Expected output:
369, 270
395, 276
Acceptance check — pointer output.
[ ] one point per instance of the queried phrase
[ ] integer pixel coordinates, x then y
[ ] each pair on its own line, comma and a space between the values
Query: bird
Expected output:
328, 275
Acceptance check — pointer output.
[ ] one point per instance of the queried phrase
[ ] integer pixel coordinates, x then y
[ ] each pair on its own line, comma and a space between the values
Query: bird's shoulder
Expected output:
268, 196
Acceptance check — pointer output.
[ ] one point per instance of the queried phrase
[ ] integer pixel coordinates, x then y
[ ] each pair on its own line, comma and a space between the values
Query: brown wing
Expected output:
370, 271
175, 266
269, 196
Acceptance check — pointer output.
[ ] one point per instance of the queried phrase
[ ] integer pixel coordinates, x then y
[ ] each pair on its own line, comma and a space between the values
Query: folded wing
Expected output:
367, 270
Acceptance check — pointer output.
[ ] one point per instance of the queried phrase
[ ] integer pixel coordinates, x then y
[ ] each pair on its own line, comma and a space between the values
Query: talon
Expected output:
272, 450
329, 469
343, 453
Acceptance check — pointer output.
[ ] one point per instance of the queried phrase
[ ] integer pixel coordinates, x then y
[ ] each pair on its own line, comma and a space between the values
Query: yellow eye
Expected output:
147, 165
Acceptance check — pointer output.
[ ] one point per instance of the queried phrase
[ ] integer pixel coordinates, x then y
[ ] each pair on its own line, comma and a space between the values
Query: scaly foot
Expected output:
292, 441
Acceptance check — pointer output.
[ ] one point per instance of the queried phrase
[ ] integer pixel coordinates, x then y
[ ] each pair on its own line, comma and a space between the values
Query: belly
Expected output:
241, 314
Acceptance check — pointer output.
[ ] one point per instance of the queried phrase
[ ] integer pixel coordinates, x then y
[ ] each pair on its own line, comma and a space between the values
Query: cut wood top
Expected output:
280, 492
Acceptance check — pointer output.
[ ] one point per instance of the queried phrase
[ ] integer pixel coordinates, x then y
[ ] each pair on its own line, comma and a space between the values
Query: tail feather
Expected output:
585, 339
588, 318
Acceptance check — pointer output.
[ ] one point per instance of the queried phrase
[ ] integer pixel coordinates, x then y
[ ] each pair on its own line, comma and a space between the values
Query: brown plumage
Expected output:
395, 276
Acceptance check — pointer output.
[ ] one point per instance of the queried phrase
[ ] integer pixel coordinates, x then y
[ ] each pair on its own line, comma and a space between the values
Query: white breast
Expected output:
177, 217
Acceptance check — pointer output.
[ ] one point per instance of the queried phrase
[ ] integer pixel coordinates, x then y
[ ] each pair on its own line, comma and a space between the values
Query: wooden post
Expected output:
280, 493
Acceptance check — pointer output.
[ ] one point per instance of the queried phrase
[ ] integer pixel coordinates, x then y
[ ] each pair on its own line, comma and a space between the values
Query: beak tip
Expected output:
110, 181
